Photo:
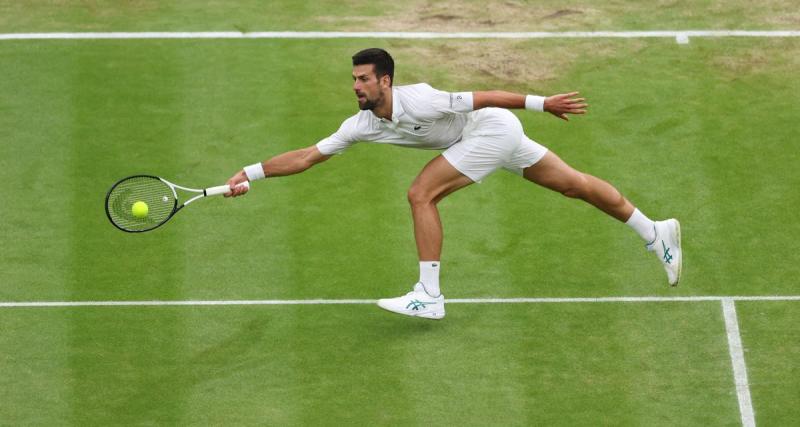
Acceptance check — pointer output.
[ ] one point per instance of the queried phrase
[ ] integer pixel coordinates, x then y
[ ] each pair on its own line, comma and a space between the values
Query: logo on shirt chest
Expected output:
415, 128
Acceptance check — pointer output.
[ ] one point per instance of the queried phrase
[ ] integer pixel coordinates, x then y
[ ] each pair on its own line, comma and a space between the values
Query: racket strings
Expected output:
152, 191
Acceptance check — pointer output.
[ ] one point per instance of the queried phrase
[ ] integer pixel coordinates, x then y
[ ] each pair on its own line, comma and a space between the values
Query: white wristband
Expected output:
254, 172
534, 102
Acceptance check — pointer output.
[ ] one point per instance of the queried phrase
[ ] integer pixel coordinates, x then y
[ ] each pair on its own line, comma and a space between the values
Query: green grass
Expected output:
195, 111
771, 339
703, 132
504, 365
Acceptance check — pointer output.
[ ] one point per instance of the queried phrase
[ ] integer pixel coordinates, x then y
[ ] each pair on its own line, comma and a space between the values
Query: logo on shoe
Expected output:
418, 305
667, 256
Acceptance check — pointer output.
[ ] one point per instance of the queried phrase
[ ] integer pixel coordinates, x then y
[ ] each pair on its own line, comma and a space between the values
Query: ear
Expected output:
386, 81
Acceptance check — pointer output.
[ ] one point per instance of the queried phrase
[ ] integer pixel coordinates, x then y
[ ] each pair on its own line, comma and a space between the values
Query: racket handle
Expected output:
222, 189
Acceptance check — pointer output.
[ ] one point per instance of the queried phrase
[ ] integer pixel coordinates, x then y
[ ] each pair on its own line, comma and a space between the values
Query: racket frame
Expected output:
211, 191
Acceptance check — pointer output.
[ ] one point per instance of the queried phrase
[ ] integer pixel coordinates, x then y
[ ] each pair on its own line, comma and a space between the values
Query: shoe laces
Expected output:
414, 290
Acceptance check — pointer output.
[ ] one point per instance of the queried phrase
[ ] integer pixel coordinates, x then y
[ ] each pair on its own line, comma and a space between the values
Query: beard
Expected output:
369, 104
366, 105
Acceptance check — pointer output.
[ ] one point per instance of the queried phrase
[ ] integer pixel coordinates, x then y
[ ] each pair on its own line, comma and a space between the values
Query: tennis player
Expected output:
478, 135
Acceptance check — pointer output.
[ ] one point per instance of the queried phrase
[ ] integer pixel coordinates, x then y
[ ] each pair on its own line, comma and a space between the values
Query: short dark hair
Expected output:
383, 62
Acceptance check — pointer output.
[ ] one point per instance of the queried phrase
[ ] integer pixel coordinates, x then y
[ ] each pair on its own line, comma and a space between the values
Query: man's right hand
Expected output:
234, 182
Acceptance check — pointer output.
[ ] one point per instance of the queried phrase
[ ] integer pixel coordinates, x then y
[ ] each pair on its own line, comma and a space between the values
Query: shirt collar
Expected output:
397, 109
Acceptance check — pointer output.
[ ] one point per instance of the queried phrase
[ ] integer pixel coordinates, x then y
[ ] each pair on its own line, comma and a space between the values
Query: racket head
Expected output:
160, 197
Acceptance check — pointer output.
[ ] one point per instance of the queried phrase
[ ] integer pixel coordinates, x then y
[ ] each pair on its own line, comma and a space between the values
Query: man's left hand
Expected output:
565, 103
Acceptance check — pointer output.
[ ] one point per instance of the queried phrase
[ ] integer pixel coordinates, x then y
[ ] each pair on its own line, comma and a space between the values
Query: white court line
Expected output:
393, 35
737, 360
20, 304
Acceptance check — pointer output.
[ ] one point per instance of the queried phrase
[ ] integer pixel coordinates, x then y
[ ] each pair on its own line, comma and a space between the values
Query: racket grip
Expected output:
222, 189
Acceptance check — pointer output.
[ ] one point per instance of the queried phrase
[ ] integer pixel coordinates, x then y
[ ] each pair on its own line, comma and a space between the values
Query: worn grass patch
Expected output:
521, 65
385, 15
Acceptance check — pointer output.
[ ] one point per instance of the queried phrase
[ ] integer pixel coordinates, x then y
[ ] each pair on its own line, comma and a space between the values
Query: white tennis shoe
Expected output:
667, 247
416, 303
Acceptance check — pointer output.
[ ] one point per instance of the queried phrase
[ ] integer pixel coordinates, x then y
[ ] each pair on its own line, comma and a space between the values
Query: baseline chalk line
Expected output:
20, 304
676, 34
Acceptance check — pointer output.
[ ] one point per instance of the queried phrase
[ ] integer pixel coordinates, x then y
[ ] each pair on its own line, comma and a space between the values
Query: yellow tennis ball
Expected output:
140, 209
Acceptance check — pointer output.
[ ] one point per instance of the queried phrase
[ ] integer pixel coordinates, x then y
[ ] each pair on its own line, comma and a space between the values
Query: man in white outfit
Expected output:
478, 135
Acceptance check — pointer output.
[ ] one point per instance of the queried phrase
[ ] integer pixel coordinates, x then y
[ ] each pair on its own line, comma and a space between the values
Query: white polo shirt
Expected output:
422, 117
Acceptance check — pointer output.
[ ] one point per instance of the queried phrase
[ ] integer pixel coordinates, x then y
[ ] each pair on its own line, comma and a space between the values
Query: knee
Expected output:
418, 196
576, 188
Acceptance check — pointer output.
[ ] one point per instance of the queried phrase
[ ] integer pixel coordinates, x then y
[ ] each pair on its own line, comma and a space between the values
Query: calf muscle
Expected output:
553, 173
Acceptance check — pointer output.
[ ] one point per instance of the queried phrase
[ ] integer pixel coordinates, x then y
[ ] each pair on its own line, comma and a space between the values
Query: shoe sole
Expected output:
680, 261
429, 315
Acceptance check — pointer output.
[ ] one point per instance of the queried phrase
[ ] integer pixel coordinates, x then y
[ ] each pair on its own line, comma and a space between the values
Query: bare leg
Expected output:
551, 172
437, 179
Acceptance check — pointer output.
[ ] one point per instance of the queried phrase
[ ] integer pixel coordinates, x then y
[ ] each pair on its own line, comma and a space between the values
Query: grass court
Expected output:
704, 132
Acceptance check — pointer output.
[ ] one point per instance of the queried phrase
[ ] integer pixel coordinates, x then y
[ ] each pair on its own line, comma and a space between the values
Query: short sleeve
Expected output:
341, 139
461, 102
445, 102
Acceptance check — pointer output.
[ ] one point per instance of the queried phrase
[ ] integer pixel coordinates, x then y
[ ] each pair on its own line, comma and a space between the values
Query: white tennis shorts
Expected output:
493, 139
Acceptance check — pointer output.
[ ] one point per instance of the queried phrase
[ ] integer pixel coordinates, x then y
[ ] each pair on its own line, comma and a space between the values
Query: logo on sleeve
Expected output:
417, 127
453, 101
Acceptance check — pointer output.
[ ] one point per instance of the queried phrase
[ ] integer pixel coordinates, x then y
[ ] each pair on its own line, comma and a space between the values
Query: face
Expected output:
368, 88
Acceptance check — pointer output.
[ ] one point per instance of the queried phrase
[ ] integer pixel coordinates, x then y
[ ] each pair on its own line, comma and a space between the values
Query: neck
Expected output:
384, 109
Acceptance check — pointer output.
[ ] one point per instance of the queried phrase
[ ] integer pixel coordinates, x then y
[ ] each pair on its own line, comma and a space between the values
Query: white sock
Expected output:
643, 226
429, 277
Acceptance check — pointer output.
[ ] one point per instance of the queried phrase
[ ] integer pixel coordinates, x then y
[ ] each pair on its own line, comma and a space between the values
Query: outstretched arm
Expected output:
288, 163
558, 105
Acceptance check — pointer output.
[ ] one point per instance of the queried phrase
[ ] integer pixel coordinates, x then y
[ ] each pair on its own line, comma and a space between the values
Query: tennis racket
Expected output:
144, 202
